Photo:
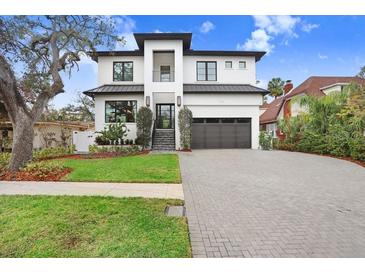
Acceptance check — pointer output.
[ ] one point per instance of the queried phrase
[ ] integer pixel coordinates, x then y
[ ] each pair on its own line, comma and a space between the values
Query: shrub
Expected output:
312, 142
185, 127
113, 134
265, 140
357, 147
114, 149
144, 124
52, 152
101, 140
4, 160
43, 168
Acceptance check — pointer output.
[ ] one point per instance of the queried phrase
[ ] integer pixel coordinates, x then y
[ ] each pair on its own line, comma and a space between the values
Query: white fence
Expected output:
82, 140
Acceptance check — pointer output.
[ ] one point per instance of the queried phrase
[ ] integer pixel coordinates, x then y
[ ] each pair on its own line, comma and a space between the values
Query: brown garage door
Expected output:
221, 133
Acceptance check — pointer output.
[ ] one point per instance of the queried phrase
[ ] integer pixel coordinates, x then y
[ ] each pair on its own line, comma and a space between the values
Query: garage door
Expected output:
221, 133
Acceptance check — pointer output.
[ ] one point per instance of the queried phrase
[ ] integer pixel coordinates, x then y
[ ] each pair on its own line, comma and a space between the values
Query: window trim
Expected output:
242, 61
123, 77
206, 71
114, 101
225, 64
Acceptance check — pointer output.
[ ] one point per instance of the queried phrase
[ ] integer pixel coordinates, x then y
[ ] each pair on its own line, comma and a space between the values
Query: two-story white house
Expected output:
165, 74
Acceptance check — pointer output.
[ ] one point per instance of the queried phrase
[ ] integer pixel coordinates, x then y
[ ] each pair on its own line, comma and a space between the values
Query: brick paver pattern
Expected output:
247, 203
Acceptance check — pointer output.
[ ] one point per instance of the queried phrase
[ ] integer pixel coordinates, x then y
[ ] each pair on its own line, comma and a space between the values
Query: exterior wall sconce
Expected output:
178, 101
148, 101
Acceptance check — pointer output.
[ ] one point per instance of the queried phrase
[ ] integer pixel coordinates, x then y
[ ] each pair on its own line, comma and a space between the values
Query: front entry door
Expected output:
165, 116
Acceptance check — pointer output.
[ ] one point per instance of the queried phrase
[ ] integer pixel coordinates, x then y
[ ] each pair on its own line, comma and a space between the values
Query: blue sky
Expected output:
298, 46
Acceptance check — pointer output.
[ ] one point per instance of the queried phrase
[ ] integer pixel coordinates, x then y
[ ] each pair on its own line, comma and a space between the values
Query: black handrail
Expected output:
153, 131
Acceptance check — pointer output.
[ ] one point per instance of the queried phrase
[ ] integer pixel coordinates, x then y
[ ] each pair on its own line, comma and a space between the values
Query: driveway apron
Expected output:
252, 203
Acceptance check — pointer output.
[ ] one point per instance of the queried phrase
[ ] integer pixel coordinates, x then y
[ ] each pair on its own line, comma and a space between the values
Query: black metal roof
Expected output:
188, 88
184, 36
223, 88
109, 89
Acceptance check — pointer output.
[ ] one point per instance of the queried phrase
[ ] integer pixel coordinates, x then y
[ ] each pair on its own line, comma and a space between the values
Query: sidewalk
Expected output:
163, 191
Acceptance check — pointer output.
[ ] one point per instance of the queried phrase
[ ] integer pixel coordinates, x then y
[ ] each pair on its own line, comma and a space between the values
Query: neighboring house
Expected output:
46, 134
288, 105
165, 74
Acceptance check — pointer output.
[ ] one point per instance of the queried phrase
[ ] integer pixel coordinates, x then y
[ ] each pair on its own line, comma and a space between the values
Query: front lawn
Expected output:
151, 168
69, 226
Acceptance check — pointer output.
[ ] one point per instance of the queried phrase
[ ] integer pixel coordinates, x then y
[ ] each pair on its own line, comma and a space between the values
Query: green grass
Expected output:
65, 226
152, 168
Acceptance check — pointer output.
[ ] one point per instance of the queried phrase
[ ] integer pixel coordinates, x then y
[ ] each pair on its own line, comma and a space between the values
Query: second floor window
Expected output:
242, 64
122, 71
206, 71
120, 111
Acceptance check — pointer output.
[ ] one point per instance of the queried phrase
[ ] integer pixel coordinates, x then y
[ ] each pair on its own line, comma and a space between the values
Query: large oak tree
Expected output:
40, 49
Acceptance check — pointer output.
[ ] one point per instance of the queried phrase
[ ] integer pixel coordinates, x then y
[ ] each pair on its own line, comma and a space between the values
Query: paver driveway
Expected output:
247, 203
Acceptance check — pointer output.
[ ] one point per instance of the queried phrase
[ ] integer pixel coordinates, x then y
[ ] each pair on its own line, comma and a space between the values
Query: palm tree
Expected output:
361, 74
275, 86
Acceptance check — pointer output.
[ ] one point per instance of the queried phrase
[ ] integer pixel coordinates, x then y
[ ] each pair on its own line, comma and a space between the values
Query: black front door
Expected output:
165, 116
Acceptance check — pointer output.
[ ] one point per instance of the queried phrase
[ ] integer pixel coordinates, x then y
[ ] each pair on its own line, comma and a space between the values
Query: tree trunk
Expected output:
23, 134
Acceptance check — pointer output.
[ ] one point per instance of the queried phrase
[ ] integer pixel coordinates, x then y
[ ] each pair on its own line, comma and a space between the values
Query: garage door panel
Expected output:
228, 135
212, 136
198, 136
222, 134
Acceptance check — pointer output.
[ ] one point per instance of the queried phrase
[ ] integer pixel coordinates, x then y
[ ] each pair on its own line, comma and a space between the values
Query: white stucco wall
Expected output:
224, 76
100, 111
229, 106
105, 69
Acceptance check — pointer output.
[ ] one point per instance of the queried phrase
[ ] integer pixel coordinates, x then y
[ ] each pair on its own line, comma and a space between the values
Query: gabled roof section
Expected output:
110, 89
257, 54
272, 112
222, 88
184, 36
313, 85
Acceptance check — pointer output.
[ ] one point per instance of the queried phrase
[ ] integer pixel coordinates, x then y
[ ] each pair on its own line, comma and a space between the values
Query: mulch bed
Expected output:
360, 163
98, 155
29, 176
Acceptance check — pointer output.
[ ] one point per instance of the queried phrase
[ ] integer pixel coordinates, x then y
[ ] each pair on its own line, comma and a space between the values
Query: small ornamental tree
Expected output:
144, 124
185, 125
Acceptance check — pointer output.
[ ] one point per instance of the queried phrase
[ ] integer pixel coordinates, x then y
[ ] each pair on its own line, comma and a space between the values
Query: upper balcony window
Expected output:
122, 71
206, 70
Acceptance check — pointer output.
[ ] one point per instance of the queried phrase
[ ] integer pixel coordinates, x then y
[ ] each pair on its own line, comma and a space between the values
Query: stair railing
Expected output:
153, 132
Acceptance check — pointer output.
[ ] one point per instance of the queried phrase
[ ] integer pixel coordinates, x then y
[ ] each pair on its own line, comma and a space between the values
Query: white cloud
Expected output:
206, 27
259, 40
85, 60
322, 56
126, 26
275, 25
269, 27
309, 27
158, 31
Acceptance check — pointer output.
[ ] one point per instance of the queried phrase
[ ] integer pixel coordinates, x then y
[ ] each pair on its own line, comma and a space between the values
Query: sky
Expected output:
297, 46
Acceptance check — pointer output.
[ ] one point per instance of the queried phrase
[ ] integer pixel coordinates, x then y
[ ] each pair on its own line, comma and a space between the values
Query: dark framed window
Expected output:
120, 111
242, 64
165, 75
228, 64
122, 71
206, 70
